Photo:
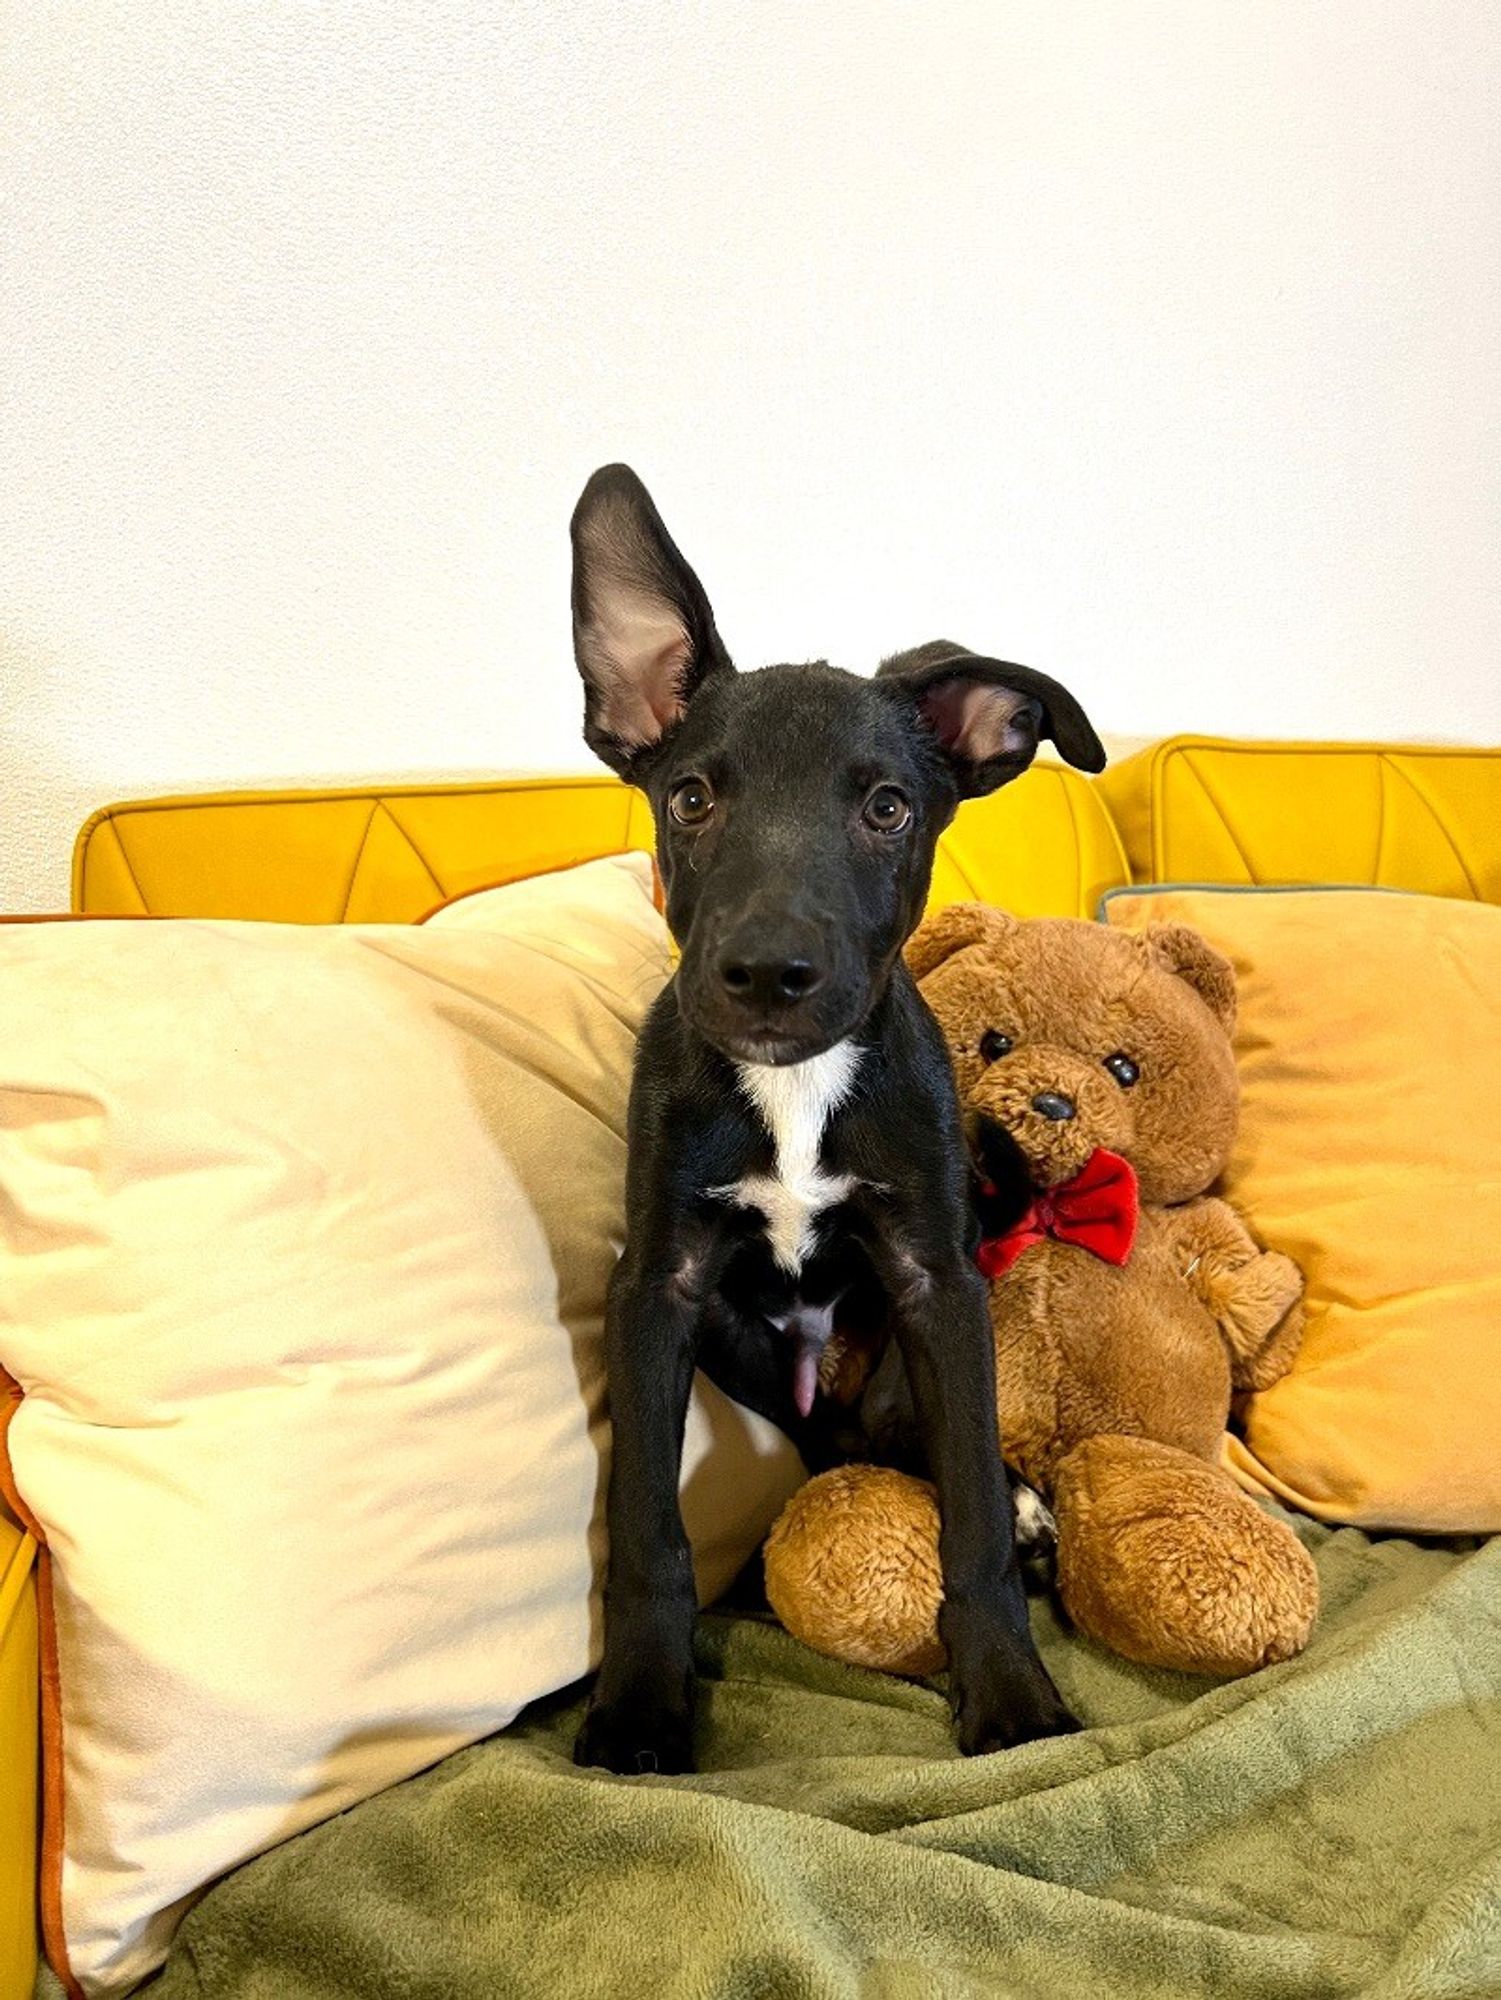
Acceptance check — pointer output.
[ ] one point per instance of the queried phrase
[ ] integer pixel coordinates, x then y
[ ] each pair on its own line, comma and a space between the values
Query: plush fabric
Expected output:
304, 1236
1121, 1329
1330, 1828
1370, 1149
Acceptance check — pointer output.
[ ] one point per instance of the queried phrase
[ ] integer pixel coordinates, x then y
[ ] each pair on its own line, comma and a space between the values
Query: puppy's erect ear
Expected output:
988, 715
643, 630
953, 929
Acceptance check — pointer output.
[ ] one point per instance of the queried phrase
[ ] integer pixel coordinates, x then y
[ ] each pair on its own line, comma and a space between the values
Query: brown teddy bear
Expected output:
1100, 1097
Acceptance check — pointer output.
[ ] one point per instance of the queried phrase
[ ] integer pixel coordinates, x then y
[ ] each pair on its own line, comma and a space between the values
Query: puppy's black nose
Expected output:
769, 982
1050, 1104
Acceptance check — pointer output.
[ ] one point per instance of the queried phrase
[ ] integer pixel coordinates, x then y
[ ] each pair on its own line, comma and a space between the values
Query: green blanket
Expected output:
1329, 1827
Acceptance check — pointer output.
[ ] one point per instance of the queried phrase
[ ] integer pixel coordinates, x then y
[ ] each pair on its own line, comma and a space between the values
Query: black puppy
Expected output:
795, 1143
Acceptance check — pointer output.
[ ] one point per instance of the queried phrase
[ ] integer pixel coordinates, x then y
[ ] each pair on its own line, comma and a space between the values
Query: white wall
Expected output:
1154, 344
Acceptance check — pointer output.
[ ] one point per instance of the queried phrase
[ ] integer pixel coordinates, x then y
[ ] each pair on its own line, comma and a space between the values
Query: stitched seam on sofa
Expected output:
1215, 806
359, 855
407, 835
1073, 821
13, 1579
313, 794
1423, 799
1383, 777
1293, 746
124, 851
962, 872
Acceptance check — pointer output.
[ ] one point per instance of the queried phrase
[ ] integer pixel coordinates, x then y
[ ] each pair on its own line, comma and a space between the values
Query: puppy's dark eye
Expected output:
691, 802
1122, 1069
994, 1045
886, 810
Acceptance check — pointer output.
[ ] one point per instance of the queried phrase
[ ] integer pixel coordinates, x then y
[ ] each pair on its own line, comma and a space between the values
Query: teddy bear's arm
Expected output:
1255, 1295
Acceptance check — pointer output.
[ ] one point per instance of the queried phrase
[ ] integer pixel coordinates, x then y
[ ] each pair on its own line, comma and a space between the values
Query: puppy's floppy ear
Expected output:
989, 715
953, 929
643, 629
1179, 948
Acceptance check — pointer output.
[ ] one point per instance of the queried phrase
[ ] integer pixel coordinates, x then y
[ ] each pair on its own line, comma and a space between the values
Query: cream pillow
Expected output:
304, 1236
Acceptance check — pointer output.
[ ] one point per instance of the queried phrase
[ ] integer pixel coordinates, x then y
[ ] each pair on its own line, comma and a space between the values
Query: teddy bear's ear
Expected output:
1178, 948
951, 930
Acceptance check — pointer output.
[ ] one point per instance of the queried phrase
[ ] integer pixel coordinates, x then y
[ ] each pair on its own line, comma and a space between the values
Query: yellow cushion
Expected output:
1197, 809
1043, 846
1370, 1150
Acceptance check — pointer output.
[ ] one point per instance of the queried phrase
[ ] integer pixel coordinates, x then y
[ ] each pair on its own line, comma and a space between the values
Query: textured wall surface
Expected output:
1154, 346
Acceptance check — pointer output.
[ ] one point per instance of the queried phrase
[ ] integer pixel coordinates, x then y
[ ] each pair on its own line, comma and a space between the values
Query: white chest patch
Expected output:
795, 1101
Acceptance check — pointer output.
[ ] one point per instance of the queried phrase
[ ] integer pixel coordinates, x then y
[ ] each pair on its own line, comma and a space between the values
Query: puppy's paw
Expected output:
1005, 1697
636, 1738
1022, 1717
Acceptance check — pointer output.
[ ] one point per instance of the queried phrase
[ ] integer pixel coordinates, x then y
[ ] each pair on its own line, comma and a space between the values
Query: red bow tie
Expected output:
1097, 1209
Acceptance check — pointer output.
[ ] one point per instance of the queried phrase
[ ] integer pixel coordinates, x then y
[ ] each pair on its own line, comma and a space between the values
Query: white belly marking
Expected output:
795, 1100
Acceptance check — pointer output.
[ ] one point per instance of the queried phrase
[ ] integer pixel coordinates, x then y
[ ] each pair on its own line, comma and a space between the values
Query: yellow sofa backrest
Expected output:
1044, 846
1397, 816
1191, 809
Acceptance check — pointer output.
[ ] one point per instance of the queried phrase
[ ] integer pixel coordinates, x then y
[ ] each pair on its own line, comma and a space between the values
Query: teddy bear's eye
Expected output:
994, 1045
1122, 1069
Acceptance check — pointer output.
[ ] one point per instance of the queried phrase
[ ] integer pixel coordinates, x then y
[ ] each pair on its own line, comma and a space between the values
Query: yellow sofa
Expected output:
1188, 809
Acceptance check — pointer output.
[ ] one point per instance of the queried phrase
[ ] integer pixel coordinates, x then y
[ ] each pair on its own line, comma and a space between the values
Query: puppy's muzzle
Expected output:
1054, 1108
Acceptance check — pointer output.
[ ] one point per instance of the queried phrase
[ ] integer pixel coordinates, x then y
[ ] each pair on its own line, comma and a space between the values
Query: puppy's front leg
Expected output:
640, 1717
1000, 1690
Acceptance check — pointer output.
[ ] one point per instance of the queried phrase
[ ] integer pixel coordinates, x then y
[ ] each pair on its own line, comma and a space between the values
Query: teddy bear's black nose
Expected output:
1052, 1105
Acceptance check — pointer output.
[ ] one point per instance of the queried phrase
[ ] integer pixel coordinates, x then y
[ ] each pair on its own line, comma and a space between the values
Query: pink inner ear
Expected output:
641, 711
976, 720
643, 651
